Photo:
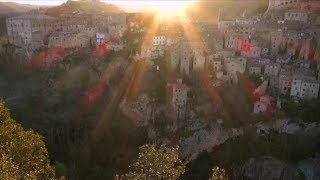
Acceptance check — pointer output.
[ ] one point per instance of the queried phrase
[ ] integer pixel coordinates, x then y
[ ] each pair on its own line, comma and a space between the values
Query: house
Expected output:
159, 40
235, 64
276, 42
295, 15
305, 87
272, 69
69, 39
308, 48
217, 65
224, 53
284, 59
179, 97
100, 38
227, 79
280, 4
115, 46
261, 90
247, 21
255, 68
198, 62
225, 24
23, 29
285, 79
262, 105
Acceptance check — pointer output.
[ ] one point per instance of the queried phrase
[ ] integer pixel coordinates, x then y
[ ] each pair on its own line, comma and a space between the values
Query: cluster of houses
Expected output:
282, 47
68, 30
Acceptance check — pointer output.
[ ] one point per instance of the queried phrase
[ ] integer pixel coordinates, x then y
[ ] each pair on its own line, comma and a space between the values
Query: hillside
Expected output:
11, 8
82, 6
209, 9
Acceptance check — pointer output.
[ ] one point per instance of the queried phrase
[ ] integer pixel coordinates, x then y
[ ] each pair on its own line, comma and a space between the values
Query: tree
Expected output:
153, 163
256, 79
23, 154
219, 174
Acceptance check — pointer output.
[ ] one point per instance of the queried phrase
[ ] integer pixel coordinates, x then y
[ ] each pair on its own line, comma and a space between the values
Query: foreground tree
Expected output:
153, 163
23, 154
218, 174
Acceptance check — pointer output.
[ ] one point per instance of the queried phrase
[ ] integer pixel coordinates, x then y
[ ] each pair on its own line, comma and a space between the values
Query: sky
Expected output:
129, 5
37, 2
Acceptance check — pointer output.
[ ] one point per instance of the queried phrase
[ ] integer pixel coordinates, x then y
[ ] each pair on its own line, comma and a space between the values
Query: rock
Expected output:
263, 128
263, 168
203, 140
236, 132
288, 126
291, 128
310, 168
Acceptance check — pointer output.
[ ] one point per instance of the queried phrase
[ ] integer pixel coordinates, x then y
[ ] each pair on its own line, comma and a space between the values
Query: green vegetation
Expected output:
256, 79
218, 174
285, 147
307, 110
199, 168
23, 153
83, 6
164, 163
153, 163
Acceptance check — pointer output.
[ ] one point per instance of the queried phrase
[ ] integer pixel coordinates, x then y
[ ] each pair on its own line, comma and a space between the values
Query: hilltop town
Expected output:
194, 83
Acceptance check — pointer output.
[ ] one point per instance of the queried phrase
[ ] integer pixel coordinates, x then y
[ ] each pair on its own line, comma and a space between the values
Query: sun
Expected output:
174, 8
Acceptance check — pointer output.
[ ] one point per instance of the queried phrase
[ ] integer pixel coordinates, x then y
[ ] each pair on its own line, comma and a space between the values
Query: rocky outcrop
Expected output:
265, 168
205, 140
288, 126
139, 110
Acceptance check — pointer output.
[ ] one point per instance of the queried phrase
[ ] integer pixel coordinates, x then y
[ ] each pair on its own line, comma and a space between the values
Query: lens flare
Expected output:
171, 8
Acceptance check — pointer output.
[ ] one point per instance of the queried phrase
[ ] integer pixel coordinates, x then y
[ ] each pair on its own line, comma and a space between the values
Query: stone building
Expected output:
179, 97
225, 24
294, 15
100, 38
69, 39
189, 54
159, 40
198, 62
272, 69
305, 87
36, 30
255, 68
29, 30
217, 65
308, 48
279, 4
262, 105
276, 41
224, 53
235, 64
285, 79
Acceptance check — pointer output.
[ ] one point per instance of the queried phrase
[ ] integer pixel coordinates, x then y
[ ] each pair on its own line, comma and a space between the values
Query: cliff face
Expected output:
265, 168
205, 140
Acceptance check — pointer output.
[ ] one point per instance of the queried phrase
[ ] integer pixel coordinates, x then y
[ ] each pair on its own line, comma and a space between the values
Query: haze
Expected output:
131, 6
